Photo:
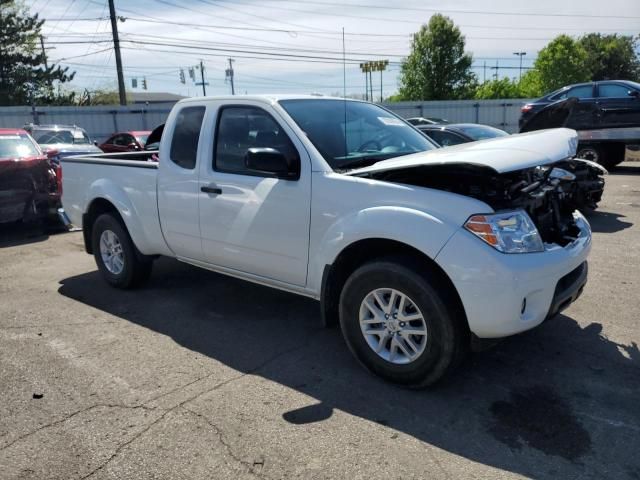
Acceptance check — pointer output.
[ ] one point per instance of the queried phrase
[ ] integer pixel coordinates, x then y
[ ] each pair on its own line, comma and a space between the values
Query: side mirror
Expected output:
634, 93
272, 162
133, 146
95, 142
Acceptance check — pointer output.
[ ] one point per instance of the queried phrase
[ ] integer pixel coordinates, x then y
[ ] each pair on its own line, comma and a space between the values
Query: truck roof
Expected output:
268, 98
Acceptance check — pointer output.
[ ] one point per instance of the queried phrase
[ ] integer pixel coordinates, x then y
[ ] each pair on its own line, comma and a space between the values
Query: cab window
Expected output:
184, 144
241, 128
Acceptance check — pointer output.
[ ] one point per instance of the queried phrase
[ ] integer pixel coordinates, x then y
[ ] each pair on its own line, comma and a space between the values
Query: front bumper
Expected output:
504, 294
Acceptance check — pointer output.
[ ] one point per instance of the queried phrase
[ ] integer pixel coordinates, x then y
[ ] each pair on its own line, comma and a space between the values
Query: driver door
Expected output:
250, 222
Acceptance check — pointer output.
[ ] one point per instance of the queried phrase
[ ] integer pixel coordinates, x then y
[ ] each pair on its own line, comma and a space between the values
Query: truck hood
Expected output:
504, 154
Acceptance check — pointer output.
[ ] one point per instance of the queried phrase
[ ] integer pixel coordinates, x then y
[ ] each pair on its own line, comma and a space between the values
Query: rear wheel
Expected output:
607, 155
118, 260
593, 153
399, 325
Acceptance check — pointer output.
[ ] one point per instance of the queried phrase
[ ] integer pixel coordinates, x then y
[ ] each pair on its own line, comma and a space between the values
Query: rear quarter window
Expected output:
186, 134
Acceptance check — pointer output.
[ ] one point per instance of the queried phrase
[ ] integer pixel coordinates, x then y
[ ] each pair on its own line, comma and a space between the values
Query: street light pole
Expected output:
520, 54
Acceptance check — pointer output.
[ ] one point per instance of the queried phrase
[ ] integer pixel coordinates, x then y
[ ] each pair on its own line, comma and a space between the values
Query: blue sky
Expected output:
257, 33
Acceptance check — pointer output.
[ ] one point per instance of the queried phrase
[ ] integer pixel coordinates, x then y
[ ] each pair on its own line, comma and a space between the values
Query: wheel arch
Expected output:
97, 207
358, 253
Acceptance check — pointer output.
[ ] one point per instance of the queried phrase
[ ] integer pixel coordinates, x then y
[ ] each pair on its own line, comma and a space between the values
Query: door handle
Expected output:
214, 190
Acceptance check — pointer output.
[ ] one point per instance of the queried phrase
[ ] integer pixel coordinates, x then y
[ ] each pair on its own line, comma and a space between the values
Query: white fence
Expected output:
503, 113
102, 121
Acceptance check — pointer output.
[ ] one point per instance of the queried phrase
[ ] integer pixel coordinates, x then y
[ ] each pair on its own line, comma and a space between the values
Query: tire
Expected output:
595, 153
131, 269
438, 352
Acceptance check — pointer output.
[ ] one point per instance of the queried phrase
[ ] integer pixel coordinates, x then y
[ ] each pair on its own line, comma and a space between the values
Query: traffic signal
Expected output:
134, 83
182, 79
144, 83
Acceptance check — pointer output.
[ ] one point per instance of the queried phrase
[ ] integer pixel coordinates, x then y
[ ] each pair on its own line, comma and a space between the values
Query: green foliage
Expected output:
611, 57
437, 67
561, 62
23, 76
502, 88
101, 97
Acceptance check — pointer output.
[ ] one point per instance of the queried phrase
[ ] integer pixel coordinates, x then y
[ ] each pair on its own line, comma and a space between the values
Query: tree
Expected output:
611, 57
437, 67
105, 96
503, 88
562, 62
23, 77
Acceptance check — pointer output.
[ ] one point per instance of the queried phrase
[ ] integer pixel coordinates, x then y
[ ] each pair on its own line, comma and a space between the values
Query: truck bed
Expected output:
128, 180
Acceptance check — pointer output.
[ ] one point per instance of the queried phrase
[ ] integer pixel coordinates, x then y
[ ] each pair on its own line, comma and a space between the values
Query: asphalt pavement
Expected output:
198, 375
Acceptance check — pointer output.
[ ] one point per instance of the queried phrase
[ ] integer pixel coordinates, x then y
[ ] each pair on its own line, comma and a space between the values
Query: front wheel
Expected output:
400, 324
118, 260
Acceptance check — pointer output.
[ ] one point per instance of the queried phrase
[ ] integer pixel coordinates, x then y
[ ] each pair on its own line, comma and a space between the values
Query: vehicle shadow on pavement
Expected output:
557, 402
18, 233
607, 222
628, 168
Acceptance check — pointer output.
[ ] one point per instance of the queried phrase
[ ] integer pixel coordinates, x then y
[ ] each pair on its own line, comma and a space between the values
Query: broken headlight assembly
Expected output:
507, 232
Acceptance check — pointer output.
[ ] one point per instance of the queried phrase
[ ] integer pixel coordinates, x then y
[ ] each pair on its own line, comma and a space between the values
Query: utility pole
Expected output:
229, 75
116, 47
204, 90
484, 71
497, 69
520, 54
192, 74
44, 53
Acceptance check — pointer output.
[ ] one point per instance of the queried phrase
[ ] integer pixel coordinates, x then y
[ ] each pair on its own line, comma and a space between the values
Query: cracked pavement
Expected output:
203, 376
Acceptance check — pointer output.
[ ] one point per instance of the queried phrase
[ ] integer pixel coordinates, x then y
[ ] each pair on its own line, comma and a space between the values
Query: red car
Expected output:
30, 181
125, 141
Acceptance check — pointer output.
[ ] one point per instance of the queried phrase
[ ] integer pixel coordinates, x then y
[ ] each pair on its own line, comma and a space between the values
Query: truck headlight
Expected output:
508, 232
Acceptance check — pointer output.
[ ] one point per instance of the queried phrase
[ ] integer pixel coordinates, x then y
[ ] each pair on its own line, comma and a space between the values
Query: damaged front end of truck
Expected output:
549, 184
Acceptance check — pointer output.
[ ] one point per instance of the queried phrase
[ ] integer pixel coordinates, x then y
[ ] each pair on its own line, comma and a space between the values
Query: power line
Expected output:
441, 10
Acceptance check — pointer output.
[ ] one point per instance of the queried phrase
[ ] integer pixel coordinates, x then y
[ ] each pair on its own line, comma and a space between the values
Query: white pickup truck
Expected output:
416, 251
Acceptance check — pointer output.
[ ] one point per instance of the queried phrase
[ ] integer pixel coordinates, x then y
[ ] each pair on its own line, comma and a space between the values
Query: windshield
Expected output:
142, 139
45, 137
17, 146
351, 134
480, 132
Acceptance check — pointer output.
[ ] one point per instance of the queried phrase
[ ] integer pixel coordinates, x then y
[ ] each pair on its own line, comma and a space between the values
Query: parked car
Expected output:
414, 249
607, 92
125, 141
457, 133
30, 184
587, 176
64, 140
427, 121
605, 124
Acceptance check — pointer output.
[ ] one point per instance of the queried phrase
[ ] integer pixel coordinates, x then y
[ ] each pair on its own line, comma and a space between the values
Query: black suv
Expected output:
618, 97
